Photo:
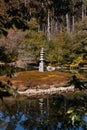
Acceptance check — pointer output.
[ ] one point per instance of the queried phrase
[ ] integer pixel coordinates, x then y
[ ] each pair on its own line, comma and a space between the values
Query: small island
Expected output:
34, 83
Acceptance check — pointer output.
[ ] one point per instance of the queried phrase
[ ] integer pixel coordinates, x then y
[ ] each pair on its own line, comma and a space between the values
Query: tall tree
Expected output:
84, 6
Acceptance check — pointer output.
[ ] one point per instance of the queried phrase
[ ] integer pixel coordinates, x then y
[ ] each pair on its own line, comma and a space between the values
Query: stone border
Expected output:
49, 91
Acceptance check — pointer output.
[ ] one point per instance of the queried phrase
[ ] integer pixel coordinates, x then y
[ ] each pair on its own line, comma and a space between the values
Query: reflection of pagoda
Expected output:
41, 64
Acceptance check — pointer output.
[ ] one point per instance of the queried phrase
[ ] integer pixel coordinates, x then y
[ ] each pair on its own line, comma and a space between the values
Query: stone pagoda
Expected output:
41, 64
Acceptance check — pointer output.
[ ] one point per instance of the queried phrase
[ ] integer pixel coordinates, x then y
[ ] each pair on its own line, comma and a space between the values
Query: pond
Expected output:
56, 112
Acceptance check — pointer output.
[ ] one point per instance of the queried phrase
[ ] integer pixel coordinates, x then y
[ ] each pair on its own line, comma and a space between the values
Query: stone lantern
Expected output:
41, 64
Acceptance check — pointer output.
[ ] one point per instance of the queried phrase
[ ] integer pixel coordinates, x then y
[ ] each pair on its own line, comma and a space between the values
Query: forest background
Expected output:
60, 26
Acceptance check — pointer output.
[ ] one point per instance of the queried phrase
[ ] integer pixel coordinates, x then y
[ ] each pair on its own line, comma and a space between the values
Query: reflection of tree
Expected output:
57, 112
73, 115
41, 104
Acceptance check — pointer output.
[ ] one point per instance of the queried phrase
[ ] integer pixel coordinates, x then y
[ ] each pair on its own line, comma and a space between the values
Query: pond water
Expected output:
56, 112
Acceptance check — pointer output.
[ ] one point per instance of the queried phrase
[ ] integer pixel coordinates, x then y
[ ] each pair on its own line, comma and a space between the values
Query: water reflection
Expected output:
58, 112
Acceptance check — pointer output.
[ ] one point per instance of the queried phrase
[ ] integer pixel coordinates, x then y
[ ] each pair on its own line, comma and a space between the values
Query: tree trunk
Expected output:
83, 13
48, 26
68, 23
73, 23
25, 3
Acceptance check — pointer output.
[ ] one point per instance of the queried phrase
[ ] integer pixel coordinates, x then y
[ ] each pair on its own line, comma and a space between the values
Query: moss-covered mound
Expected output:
35, 79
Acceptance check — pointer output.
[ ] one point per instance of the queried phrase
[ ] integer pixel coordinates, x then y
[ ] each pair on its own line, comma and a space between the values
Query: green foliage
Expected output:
77, 61
33, 24
68, 49
13, 14
82, 25
60, 49
36, 40
79, 39
73, 117
6, 56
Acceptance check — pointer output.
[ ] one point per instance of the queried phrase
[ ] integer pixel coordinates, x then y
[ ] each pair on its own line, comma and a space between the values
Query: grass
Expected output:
34, 78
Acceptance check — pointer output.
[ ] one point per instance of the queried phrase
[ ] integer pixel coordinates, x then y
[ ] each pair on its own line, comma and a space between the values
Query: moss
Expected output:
34, 78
